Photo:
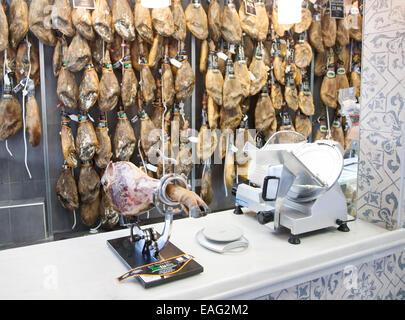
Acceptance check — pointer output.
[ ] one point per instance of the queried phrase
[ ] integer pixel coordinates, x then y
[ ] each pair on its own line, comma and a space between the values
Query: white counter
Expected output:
86, 268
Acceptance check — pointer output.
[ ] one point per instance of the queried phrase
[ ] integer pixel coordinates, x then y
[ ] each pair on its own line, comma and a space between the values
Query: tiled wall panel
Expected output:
382, 112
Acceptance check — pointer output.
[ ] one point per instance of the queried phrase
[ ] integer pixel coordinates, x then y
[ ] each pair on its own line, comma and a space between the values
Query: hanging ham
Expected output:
290, 93
143, 22
68, 142
102, 21
123, 20
214, 20
207, 192
329, 88
86, 139
258, 71
83, 22
78, 53
196, 20
179, 20
57, 57
212, 113
230, 25
23, 65
89, 88
62, 17
168, 91
90, 212
103, 151
328, 28
232, 89
242, 72
264, 113
67, 88
124, 141
10, 113
4, 31
276, 94
306, 20
129, 85
89, 183
185, 78
18, 27
32, 118
162, 21
315, 33
214, 80
36, 21
109, 87
303, 125
66, 189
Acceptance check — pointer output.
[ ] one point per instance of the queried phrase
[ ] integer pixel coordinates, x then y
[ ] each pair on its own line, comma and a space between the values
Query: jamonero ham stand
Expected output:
151, 257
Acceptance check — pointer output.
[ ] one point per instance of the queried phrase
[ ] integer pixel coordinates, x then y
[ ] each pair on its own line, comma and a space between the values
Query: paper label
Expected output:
250, 7
193, 139
222, 56
87, 4
175, 62
151, 167
252, 76
234, 149
232, 48
337, 9
74, 117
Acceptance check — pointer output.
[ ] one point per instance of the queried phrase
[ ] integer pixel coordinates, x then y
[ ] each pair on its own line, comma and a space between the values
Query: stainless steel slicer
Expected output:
294, 185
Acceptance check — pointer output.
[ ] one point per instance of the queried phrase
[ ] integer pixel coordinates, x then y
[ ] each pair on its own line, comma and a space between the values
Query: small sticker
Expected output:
193, 139
252, 76
222, 56
74, 117
151, 167
175, 62
87, 4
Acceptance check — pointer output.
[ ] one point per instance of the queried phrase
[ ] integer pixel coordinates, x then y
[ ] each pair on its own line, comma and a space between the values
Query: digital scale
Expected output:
151, 258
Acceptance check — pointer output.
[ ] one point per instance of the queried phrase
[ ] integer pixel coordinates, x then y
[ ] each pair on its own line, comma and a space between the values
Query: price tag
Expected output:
193, 139
337, 9
151, 167
252, 76
86, 4
175, 62
222, 56
74, 117
234, 149
250, 7
232, 48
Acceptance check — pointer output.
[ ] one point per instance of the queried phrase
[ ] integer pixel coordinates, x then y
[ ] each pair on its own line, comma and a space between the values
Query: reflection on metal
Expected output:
45, 144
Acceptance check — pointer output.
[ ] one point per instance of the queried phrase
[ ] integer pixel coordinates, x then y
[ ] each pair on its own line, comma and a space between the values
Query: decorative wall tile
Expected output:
382, 115
381, 279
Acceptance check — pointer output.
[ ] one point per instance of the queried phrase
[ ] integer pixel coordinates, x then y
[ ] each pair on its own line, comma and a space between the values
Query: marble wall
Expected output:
382, 113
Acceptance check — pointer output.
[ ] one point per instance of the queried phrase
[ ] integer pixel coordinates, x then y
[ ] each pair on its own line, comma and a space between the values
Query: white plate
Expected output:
222, 233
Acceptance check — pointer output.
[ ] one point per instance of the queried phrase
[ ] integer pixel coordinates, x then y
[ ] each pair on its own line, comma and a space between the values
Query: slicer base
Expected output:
294, 239
343, 227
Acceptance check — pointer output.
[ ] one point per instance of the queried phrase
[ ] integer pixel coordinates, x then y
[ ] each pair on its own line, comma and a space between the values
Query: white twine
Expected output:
74, 219
23, 107
95, 230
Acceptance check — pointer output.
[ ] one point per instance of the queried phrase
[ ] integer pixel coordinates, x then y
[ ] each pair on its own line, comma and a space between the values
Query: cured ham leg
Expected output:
131, 191
66, 189
18, 21
197, 20
68, 142
103, 152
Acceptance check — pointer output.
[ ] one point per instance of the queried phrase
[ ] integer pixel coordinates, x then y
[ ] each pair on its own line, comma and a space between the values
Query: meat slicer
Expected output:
294, 185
